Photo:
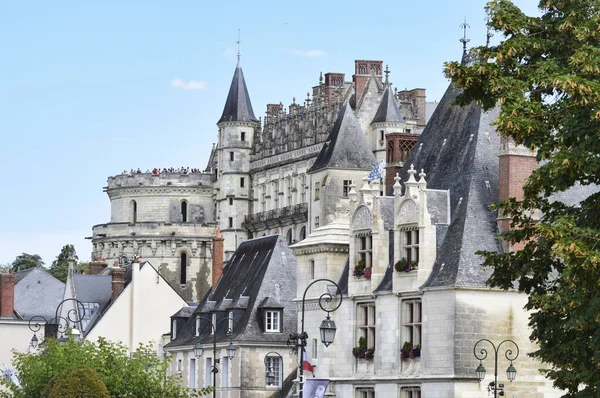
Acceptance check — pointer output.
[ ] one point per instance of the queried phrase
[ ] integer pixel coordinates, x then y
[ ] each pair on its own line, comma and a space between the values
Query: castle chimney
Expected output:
362, 71
118, 280
516, 163
96, 267
217, 260
7, 296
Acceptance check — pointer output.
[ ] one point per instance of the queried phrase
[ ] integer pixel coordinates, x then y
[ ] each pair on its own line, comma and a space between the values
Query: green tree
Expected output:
80, 382
60, 266
141, 374
5, 267
26, 261
545, 77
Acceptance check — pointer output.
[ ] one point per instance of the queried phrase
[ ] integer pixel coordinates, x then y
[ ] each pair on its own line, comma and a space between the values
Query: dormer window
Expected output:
365, 249
173, 329
273, 321
197, 326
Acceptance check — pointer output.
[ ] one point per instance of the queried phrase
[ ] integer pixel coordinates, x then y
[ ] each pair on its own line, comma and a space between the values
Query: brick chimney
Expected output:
363, 69
7, 296
118, 280
96, 267
217, 260
516, 163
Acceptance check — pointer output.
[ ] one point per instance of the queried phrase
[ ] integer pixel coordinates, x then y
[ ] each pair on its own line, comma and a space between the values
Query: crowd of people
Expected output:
157, 170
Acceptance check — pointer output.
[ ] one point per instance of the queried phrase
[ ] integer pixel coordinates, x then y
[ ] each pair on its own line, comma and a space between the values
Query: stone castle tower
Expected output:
257, 181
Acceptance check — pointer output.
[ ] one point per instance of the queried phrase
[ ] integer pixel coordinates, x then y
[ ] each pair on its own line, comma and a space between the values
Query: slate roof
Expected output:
37, 293
93, 288
388, 111
238, 107
458, 150
261, 273
346, 146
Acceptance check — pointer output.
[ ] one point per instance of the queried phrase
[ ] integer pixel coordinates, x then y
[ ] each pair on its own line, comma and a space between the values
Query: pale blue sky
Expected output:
89, 89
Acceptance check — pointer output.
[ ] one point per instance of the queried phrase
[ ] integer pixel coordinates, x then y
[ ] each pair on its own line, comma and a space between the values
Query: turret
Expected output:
237, 127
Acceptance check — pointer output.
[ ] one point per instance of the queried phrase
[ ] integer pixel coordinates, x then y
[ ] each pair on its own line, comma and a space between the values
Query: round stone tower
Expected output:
166, 219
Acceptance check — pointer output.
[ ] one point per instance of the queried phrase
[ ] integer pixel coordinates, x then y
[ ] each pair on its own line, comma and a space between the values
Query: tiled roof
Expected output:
37, 293
346, 146
388, 111
238, 107
458, 151
261, 272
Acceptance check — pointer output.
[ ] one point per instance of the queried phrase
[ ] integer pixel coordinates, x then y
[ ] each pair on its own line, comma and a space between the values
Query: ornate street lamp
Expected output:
59, 326
511, 372
327, 329
230, 350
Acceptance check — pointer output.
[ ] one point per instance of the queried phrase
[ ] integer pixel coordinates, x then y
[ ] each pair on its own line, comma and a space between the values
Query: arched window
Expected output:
133, 212
184, 211
302, 233
289, 236
183, 258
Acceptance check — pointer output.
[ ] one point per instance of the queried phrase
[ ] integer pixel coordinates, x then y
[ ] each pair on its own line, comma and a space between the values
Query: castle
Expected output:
263, 176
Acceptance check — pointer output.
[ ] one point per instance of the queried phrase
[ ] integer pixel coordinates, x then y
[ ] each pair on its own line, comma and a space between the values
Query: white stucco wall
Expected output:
141, 314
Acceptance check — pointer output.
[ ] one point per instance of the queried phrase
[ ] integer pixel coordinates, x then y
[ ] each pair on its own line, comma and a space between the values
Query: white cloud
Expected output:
188, 85
308, 53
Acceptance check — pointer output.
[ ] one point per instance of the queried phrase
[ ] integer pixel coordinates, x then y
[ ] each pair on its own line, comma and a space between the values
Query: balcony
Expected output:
277, 218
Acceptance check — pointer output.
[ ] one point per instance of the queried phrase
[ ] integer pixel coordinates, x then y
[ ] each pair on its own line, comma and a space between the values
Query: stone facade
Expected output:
256, 180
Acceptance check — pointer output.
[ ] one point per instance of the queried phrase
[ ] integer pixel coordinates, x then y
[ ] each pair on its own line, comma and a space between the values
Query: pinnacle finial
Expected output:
464, 40
238, 46
387, 74
321, 78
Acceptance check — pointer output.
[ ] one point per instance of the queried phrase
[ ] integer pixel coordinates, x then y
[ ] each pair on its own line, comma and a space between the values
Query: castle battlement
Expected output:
159, 180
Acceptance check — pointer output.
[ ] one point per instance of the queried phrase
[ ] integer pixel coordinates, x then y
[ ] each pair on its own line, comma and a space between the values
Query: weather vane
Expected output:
464, 40
238, 46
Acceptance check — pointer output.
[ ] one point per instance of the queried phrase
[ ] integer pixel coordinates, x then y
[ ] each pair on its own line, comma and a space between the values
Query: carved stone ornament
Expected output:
362, 218
408, 212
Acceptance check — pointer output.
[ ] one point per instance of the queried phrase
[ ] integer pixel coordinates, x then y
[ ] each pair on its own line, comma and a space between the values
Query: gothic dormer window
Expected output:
364, 245
173, 329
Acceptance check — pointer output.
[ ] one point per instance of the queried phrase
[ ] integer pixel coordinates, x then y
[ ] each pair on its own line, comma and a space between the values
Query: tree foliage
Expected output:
545, 76
139, 374
26, 261
60, 266
81, 382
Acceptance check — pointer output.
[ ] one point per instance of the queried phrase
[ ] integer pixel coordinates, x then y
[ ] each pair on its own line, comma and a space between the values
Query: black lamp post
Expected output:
511, 372
327, 328
57, 327
230, 333
270, 373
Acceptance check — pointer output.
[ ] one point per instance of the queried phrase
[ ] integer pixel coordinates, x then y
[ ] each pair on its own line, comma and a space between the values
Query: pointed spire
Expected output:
348, 148
238, 107
388, 111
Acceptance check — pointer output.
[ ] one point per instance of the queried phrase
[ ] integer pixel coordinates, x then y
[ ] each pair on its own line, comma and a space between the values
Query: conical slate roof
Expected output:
346, 146
388, 109
459, 152
238, 107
